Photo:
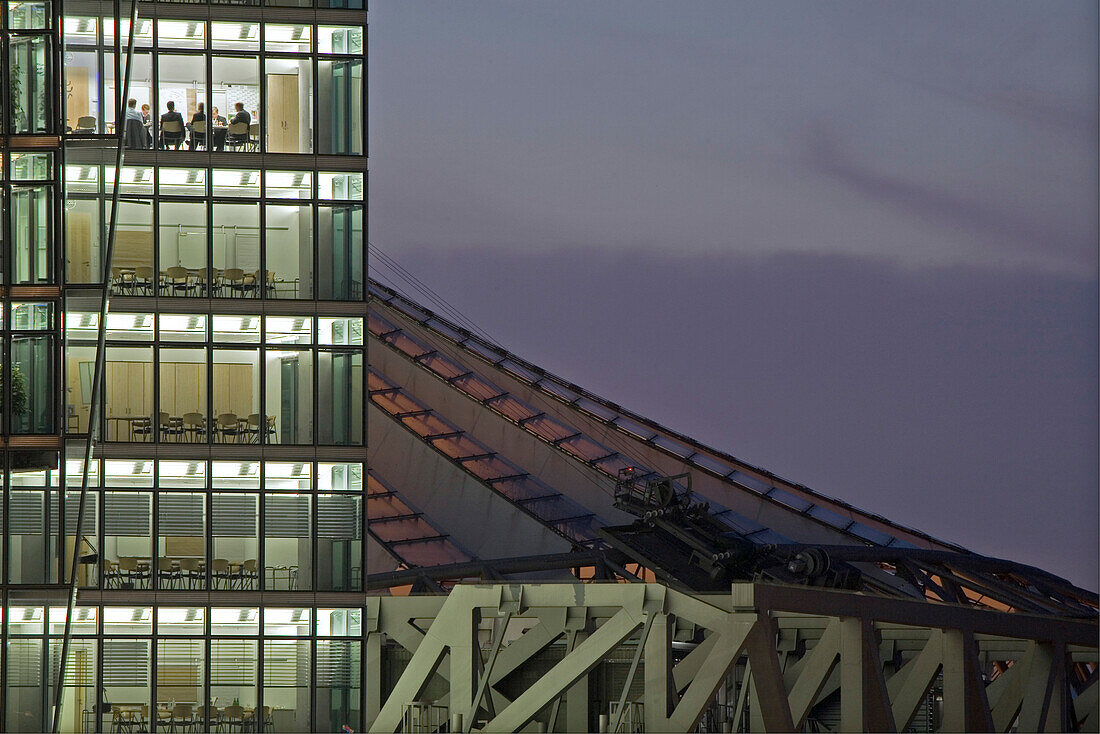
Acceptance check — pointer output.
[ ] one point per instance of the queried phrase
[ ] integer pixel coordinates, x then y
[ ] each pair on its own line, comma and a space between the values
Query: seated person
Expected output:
175, 139
135, 135
197, 138
218, 119
146, 115
241, 117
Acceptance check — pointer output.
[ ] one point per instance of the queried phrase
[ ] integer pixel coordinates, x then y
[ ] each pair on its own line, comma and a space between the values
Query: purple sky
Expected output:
853, 243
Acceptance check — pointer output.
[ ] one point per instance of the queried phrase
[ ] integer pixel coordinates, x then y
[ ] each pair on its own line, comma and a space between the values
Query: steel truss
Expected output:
765, 657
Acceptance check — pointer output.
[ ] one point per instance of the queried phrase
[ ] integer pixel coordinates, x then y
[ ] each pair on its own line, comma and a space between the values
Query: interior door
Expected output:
282, 113
78, 237
76, 94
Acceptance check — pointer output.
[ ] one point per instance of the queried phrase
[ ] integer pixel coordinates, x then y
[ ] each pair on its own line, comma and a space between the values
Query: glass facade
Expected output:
229, 447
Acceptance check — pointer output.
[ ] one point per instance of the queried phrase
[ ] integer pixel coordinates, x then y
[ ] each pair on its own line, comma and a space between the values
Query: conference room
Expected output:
245, 249
298, 91
211, 380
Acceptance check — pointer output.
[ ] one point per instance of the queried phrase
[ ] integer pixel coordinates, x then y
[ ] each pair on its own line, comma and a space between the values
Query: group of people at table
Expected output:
185, 717
173, 130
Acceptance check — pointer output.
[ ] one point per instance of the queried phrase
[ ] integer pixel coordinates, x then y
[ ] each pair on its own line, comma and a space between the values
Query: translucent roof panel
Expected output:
437, 552
403, 529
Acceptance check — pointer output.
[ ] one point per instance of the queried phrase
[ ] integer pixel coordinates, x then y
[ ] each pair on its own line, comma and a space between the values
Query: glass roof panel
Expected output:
875, 536
833, 518
436, 552
404, 529
790, 500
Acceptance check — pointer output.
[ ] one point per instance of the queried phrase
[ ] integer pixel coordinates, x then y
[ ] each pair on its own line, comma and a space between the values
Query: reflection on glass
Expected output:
340, 386
33, 389
340, 252
340, 95
348, 331
31, 234
29, 84
340, 39
29, 14
289, 395
31, 166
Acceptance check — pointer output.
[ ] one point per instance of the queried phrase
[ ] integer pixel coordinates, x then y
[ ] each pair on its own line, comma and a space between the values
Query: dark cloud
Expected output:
1008, 229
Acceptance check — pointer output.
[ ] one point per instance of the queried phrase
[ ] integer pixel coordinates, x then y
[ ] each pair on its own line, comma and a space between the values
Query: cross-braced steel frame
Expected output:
762, 658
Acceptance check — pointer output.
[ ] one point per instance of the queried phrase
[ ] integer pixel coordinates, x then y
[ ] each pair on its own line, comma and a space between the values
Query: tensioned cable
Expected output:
418, 285
621, 444
426, 291
95, 406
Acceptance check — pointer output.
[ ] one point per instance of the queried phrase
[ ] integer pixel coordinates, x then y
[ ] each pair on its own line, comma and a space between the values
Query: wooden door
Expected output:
138, 402
188, 393
222, 390
76, 95
116, 388
240, 382
282, 113
78, 247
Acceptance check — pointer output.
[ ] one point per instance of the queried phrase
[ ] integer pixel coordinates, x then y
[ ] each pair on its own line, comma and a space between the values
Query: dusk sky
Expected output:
852, 243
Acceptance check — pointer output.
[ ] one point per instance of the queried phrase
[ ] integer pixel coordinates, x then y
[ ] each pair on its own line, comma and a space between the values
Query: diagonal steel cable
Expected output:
96, 405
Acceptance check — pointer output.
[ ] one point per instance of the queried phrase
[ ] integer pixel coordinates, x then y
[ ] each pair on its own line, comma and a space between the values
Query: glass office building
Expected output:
220, 561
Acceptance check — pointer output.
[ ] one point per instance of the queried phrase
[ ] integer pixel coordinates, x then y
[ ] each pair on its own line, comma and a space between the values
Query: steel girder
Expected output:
762, 658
